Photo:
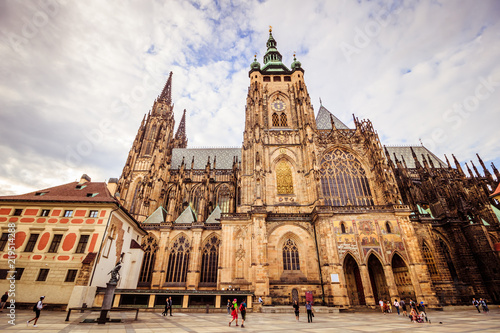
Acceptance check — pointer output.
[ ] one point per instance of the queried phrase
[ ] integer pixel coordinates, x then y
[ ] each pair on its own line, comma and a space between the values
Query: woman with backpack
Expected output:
37, 308
243, 311
234, 313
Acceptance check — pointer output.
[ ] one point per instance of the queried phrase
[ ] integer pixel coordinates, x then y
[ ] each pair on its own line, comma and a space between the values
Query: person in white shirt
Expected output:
381, 303
396, 305
37, 308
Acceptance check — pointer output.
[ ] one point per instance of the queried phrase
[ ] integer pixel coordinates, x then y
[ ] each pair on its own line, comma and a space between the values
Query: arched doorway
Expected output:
402, 278
377, 279
355, 290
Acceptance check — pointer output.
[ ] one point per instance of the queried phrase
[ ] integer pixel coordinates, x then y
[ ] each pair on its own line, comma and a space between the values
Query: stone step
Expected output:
289, 309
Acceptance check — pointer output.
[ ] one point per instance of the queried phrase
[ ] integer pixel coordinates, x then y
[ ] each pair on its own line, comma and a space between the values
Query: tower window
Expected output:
283, 121
284, 179
287, 79
388, 227
342, 228
276, 120
277, 79
267, 79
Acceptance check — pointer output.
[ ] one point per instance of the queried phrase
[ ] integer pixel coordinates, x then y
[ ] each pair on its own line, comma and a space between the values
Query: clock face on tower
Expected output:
278, 105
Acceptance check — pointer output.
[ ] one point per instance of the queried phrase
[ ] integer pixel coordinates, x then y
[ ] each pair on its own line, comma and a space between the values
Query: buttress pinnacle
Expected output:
180, 135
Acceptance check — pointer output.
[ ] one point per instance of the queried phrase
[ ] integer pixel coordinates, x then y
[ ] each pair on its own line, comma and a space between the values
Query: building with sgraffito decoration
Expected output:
67, 239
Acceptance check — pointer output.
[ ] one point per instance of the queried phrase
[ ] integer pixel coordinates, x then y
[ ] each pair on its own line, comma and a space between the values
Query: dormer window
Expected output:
40, 193
80, 186
91, 195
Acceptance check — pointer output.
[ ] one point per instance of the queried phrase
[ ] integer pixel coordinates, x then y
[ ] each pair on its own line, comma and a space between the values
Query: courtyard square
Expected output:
368, 321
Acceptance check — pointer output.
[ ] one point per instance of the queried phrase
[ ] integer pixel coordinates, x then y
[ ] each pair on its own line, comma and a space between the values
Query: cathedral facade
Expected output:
307, 207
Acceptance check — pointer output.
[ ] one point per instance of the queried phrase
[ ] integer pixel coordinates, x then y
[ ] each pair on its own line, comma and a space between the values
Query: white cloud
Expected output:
70, 68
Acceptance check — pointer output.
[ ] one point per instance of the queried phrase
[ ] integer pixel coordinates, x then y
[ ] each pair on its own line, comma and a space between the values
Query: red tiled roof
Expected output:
135, 245
89, 258
88, 192
497, 192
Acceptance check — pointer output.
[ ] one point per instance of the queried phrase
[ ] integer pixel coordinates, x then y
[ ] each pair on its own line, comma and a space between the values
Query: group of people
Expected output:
417, 310
168, 306
233, 308
481, 302
309, 310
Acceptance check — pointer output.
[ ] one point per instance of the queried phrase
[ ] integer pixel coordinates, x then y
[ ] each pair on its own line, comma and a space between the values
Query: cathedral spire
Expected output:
166, 94
180, 135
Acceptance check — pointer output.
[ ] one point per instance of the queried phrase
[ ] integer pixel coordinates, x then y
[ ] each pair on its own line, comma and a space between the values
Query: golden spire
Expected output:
270, 28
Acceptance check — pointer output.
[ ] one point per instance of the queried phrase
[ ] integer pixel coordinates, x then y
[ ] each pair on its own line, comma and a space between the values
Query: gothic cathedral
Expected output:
308, 205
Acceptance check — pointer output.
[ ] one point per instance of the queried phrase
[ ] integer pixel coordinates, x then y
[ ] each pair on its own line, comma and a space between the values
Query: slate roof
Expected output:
323, 121
224, 157
405, 151
87, 192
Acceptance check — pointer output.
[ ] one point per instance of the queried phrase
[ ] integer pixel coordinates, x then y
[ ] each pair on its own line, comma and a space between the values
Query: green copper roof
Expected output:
215, 216
272, 58
187, 216
157, 217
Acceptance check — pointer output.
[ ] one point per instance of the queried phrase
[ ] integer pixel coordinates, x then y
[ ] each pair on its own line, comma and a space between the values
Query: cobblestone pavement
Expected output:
451, 321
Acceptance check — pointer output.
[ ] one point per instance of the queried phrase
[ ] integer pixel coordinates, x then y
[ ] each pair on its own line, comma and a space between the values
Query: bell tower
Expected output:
278, 150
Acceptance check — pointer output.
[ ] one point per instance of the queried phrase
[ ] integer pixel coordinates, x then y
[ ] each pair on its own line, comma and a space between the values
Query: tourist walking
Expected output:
296, 309
403, 307
243, 311
475, 302
484, 305
310, 314
260, 299
381, 303
170, 305
234, 312
396, 305
229, 306
3, 300
167, 306
37, 308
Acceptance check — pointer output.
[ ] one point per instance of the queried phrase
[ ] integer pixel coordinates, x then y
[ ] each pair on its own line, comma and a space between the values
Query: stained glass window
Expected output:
290, 256
210, 260
178, 260
343, 180
224, 198
150, 246
429, 260
284, 179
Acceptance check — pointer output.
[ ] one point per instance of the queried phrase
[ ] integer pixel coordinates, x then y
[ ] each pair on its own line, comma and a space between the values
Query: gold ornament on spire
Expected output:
270, 28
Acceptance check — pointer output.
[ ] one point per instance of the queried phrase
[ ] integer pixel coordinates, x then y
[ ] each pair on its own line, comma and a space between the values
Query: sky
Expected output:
76, 78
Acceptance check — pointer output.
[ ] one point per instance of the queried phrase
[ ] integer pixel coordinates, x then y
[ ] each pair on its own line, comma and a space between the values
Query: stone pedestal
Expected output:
106, 303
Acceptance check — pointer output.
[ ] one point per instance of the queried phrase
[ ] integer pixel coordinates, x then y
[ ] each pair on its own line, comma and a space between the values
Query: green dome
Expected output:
255, 64
295, 64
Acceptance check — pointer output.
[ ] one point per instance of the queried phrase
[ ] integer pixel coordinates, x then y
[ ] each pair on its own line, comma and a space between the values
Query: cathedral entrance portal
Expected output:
402, 278
355, 290
377, 279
